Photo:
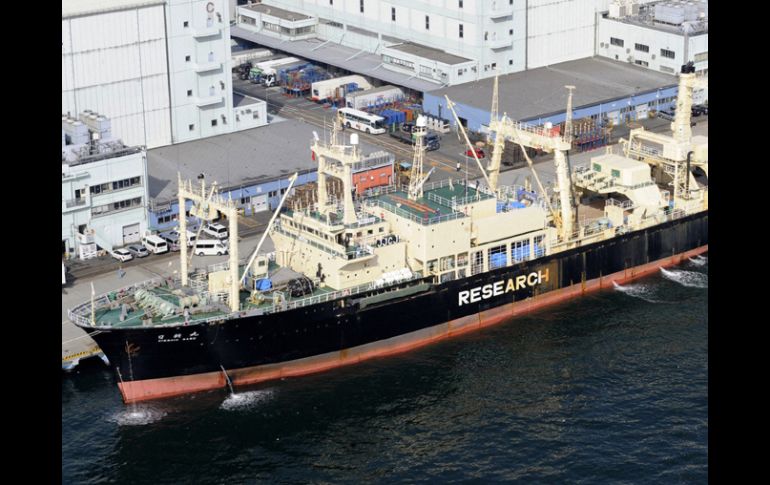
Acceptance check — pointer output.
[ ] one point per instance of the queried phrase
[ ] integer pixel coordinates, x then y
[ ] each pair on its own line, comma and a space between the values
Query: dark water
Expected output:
609, 388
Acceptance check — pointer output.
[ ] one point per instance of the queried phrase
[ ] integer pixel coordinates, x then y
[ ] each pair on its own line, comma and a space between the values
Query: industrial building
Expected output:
103, 187
438, 42
253, 168
660, 36
160, 68
610, 91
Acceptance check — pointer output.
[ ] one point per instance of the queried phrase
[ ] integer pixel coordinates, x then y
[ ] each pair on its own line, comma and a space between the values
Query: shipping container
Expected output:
374, 98
328, 88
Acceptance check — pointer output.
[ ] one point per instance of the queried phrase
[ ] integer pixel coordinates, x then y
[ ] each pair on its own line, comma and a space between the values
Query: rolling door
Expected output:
131, 234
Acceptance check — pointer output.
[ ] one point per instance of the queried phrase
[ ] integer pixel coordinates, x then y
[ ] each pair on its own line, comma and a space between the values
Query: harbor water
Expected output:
607, 388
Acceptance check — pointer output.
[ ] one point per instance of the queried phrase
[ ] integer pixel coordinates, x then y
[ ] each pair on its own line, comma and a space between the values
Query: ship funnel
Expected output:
354, 139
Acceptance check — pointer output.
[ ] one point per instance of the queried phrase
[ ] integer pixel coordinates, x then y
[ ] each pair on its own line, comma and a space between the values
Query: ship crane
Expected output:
540, 138
674, 154
494, 165
533, 137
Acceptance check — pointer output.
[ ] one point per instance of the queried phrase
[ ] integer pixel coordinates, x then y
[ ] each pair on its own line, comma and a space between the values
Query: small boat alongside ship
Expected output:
352, 278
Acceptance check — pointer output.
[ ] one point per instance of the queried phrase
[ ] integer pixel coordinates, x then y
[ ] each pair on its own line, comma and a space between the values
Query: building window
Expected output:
667, 53
510, 62
494, 65
393, 13
615, 173
617, 42
362, 6
331, 2
187, 58
189, 92
186, 23
701, 57
460, 4
461, 30
510, 31
427, 23
213, 122
191, 127
666, 69
642, 48
642, 63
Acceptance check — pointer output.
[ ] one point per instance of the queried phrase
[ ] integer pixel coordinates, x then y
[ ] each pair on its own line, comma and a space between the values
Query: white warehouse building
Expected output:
661, 36
104, 187
160, 68
504, 35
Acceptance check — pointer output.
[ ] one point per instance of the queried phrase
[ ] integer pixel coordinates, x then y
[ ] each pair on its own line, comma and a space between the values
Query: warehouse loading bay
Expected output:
453, 148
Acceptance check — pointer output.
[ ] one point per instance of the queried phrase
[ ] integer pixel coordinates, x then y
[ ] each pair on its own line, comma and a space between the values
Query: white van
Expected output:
155, 244
209, 247
215, 230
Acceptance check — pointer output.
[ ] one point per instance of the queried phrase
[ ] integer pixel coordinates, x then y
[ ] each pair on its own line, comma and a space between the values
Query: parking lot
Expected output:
248, 227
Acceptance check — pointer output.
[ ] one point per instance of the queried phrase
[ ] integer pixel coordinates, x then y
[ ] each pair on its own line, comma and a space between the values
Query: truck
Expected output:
271, 75
432, 141
256, 72
328, 88
374, 97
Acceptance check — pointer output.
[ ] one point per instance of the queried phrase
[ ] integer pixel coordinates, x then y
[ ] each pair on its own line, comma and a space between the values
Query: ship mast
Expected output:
206, 209
416, 178
337, 161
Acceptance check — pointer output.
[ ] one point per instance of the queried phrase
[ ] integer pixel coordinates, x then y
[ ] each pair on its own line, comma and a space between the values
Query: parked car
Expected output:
479, 152
138, 251
190, 236
210, 247
155, 244
122, 254
215, 230
667, 115
700, 109
171, 239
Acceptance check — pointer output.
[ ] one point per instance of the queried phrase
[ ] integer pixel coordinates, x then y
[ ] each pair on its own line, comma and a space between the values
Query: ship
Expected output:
359, 276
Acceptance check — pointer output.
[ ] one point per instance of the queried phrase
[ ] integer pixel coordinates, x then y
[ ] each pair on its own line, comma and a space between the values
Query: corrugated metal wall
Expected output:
115, 63
561, 30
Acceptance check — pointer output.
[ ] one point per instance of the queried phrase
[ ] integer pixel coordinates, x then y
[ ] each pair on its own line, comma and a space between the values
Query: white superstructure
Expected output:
161, 68
104, 187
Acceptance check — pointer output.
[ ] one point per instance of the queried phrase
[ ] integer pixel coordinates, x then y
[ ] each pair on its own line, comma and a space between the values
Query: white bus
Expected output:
360, 120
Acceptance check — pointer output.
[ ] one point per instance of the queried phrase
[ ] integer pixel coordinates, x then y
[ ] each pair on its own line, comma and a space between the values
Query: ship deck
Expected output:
436, 205
109, 315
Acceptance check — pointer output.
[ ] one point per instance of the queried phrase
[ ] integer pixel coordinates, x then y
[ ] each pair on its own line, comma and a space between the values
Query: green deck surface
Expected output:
111, 317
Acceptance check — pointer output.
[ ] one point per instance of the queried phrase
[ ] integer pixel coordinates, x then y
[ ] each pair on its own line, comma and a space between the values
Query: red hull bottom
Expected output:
172, 386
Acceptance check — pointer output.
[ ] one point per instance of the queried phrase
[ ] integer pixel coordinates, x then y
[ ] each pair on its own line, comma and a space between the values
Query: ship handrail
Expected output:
343, 292
420, 220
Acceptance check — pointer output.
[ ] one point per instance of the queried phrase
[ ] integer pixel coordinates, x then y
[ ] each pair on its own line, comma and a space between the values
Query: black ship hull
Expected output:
154, 362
